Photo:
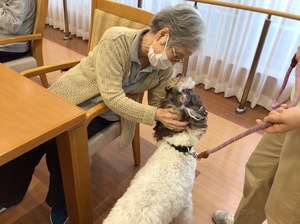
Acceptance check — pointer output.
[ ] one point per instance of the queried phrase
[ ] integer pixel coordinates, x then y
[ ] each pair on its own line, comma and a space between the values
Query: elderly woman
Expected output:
125, 60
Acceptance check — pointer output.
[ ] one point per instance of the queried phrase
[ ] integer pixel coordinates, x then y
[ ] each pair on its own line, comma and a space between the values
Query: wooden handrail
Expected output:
249, 8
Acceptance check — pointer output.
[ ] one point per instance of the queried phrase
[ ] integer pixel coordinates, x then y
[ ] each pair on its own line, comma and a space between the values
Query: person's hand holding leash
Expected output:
284, 119
169, 118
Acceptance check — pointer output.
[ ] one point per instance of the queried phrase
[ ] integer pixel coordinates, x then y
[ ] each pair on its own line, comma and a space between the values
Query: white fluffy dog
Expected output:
161, 192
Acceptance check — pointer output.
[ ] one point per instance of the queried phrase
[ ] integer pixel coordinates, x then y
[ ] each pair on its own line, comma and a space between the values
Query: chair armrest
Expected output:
95, 111
101, 107
48, 68
21, 38
90, 113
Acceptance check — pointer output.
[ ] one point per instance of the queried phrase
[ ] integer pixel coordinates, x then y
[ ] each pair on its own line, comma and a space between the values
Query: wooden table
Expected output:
31, 115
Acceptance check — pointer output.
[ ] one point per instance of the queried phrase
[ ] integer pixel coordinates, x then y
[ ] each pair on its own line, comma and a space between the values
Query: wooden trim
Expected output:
249, 8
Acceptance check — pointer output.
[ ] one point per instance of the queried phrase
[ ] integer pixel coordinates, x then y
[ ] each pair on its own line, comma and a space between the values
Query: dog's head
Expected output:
180, 95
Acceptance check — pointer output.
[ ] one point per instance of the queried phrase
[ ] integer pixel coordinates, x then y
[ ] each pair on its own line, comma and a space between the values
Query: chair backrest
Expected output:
35, 58
38, 28
106, 14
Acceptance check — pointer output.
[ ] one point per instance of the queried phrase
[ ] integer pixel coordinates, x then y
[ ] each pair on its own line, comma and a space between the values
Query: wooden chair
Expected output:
106, 14
35, 55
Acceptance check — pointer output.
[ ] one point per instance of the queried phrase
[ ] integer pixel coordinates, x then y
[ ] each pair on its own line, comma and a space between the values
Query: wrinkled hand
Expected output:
169, 118
284, 119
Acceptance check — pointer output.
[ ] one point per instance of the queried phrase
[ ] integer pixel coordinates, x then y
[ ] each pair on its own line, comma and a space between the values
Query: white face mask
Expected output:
160, 60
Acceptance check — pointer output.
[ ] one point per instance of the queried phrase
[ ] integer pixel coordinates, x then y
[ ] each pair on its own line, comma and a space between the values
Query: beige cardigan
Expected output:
102, 72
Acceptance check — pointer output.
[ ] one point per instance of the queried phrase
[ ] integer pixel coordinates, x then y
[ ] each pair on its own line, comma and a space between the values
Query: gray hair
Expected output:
185, 24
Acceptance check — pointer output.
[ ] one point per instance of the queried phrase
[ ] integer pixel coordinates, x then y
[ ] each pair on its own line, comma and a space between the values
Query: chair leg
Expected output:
44, 80
136, 146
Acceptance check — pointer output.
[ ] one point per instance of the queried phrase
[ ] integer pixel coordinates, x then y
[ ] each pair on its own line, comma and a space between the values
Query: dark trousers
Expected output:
9, 56
16, 175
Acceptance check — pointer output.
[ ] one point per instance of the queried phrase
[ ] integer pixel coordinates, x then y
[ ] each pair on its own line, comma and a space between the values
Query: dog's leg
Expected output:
186, 214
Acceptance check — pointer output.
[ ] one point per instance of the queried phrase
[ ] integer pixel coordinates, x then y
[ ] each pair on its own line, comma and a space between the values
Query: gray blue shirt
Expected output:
17, 17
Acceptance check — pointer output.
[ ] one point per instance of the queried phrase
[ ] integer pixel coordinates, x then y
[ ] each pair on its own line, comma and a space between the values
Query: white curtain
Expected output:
231, 40
78, 16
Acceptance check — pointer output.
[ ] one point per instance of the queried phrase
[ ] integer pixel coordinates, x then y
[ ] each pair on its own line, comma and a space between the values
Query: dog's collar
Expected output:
183, 149
187, 150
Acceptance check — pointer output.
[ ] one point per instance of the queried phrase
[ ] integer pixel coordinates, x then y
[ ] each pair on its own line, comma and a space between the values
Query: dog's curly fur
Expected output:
161, 192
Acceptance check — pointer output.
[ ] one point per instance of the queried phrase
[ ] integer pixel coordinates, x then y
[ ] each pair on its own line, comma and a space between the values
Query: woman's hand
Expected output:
169, 118
284, 119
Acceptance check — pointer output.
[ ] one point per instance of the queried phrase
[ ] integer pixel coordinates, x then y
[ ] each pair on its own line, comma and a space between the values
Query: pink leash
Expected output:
256, 128
275, 105
297, 86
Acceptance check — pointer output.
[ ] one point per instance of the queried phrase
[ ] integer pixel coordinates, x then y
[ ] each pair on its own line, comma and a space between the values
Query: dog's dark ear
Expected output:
160, 131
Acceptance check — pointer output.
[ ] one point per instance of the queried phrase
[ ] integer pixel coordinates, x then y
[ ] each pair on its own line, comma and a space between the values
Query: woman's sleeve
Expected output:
111, 60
